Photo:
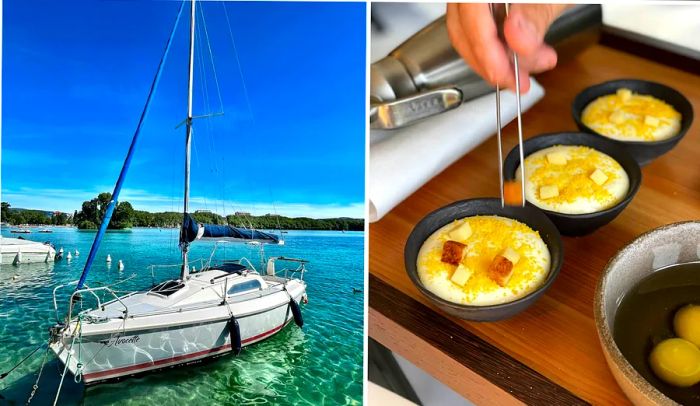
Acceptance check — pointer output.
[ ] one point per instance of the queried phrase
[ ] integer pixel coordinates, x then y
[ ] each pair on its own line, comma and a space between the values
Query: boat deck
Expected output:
202, 289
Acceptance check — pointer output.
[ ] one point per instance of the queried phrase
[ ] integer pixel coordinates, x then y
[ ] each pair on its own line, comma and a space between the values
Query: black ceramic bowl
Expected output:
529, 215
580, 224
643, 152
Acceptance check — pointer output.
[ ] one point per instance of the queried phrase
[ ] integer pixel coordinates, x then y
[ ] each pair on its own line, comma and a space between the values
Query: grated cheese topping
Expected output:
578, 192
490, 236
628, 116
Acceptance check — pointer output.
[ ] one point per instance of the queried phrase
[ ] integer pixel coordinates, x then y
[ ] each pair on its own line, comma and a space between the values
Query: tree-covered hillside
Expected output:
125, 216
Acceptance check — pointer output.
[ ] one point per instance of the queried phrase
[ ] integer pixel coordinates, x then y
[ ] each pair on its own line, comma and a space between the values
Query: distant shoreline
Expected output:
50, 226
125, 217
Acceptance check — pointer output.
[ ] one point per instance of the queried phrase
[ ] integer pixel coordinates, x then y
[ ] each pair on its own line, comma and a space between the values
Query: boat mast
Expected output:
127, 161
188, 141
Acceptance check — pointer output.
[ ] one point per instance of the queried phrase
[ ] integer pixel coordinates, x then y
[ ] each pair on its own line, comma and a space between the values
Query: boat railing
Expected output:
241, 261
152, 268
288, 273
87, 290
247, 261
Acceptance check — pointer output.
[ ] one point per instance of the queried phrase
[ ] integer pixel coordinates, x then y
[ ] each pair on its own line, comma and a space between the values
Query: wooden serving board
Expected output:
549, 353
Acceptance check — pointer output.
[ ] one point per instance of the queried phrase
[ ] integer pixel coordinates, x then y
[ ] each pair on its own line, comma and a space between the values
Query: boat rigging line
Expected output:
4, 374
211, 58
238, 63
127, 161
38, 377
68, 357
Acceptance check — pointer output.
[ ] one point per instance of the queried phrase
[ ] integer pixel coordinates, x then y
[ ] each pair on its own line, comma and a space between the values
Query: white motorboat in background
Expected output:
206, 312
18, 251
21, 231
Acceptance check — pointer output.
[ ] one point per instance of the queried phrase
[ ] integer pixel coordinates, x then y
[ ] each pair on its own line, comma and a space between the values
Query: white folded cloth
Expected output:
403, 160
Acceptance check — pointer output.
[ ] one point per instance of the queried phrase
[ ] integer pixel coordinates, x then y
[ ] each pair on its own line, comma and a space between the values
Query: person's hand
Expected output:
474, 35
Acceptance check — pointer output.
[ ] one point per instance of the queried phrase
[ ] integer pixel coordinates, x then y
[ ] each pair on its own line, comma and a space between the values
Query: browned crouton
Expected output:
500, 270
452, 252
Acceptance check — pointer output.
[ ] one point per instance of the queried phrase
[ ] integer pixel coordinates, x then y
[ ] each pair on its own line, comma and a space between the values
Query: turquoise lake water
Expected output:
319, 364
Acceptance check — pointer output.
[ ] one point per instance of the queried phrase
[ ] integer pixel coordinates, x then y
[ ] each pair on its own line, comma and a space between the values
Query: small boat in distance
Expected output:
215, 308
21, 231
46, 230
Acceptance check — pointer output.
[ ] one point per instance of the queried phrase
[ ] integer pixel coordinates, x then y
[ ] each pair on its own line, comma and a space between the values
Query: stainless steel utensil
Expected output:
499, 18
424, 76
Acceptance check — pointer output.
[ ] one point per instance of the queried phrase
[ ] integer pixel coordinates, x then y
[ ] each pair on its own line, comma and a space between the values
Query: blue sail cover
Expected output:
214, 231
191, 231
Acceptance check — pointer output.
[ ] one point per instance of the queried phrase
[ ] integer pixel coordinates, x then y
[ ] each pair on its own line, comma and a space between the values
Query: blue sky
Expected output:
76, 76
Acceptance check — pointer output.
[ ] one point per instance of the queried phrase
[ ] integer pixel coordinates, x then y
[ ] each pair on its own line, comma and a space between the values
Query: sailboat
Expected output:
217, 309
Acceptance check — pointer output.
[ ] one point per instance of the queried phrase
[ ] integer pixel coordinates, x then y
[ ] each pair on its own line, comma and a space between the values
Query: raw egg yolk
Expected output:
687, 323
676, 362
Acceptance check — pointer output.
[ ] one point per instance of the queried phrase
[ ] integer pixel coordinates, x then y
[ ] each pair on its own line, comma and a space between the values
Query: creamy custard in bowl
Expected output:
628, 116
573, 180
483, 260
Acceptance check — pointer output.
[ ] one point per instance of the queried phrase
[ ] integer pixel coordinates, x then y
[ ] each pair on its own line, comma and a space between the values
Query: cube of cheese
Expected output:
548, 192
460, 232
500, 270
599, 177
624, 94
557, 158
617, 117
452, 252
461, 275
651, 121
511, 254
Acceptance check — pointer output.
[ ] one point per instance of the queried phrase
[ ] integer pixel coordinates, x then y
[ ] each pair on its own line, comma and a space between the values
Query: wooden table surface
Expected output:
549, 353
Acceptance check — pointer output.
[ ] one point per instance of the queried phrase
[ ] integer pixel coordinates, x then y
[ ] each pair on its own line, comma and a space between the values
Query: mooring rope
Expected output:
78, 376
78, 329
21, 362
38, 377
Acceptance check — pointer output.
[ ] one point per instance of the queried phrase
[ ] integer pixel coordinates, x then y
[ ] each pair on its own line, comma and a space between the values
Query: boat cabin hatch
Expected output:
232, 267
244, 287
167, 288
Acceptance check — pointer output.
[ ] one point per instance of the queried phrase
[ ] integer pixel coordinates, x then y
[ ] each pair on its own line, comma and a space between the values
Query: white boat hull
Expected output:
109, 350
16, 252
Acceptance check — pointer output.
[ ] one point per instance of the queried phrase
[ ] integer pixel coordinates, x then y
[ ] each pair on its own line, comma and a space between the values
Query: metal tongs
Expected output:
499, 14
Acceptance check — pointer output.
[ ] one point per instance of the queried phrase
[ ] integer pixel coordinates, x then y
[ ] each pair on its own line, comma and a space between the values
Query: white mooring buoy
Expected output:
121, 265
77, 253
109, 258
60, 251
69, 256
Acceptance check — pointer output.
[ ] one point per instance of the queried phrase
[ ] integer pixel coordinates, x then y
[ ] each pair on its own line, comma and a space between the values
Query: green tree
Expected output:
93, 212
4, 211
17, 218
87, 225
88, 212
59, 219
123, 216
103, 200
